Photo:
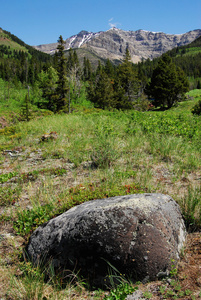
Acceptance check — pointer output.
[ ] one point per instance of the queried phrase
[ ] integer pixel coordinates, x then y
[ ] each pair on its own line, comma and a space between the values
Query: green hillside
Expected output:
20, 62
83, 52
10, 39
190, 49
187, 57
6, 41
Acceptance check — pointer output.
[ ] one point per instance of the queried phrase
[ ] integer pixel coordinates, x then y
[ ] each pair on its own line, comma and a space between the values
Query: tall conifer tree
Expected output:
62, 78
168, 83
128, 78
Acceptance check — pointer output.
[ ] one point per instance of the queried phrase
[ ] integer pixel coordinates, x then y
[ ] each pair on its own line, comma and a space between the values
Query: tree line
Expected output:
127, 86
187, 57
122, 86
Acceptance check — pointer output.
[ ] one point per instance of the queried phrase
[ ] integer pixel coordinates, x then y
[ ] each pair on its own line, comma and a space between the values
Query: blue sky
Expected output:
43, 21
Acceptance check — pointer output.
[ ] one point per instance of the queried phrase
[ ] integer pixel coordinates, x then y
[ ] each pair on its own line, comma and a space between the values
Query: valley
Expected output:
104, 138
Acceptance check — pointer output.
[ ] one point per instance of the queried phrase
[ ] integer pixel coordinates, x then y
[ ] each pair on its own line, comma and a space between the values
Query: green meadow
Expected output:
57, 161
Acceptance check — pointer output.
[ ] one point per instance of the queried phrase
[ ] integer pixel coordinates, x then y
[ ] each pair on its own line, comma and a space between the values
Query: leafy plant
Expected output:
173, 270
9, 130
196, 110
147, 295
27, 220
121, 291
7, 176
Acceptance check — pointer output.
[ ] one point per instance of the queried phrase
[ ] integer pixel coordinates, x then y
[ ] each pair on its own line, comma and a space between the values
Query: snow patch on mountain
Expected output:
85, 39
71, 42
76, 41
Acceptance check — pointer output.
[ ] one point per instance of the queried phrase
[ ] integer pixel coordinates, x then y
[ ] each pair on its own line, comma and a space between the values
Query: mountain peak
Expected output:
113, 43
83, 32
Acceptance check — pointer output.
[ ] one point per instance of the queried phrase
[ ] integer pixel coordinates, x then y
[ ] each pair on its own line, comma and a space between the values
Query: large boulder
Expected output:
138, 235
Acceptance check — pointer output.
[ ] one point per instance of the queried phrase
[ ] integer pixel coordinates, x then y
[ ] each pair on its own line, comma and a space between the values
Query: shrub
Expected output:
196, 110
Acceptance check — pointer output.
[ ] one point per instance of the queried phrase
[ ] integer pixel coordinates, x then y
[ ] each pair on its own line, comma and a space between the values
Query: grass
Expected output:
192, 51
12, 99
94, 154
5, 40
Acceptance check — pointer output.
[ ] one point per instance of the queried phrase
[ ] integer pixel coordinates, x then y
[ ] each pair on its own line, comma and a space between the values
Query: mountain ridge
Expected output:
113, 43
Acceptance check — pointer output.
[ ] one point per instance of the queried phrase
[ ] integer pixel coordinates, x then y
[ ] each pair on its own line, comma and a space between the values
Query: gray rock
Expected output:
137, 295
137, 234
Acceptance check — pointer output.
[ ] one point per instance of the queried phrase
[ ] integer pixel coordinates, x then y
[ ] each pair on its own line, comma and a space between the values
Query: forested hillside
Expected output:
187, 57
19, 61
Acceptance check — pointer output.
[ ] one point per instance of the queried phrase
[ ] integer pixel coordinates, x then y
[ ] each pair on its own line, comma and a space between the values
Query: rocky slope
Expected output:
113, 43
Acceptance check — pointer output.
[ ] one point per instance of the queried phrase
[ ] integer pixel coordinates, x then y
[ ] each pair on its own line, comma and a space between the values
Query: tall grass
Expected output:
117, 142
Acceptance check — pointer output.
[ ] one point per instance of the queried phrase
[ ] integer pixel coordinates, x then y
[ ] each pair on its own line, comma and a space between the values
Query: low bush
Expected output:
196, 110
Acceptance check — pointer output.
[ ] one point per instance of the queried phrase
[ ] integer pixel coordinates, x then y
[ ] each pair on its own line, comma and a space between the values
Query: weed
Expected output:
174, 291
103, 155
197, 108
170, 293
7, 131
162, 289
121, 291
173, 270
8, 196
120, 287
147, 295
27, 220
188, 292
7, 176
27, 177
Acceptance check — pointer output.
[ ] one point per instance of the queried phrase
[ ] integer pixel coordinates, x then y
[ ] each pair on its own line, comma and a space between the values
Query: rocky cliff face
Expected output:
113, 43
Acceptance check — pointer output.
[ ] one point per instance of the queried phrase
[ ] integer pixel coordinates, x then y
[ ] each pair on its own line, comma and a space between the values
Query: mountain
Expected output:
113, 43
5, 40
13, 43
19, 61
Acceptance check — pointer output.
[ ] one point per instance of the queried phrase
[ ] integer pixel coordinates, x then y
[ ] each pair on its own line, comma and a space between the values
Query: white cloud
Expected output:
113, 24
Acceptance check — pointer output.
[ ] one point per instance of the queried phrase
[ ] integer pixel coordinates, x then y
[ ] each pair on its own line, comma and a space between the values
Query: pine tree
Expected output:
199, 84
120, 98
99, 68
62, 78
87, 69
47, 81
25, 108
101, 92
128, 79
109, 68
168, 83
